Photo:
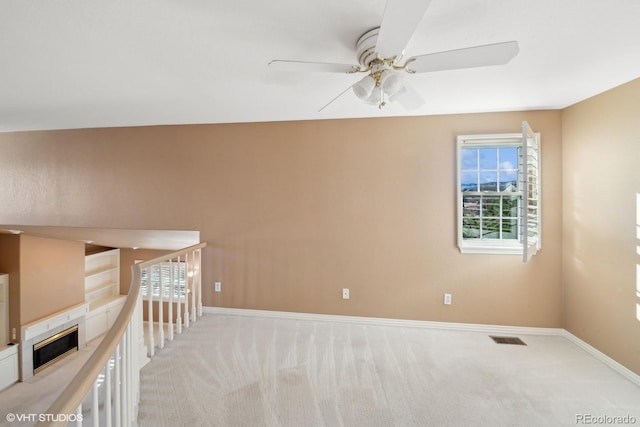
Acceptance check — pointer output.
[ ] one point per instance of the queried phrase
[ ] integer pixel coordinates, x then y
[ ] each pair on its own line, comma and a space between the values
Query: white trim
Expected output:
486, 247
469, 327
492, 329
491, 139
45, 324
625, 372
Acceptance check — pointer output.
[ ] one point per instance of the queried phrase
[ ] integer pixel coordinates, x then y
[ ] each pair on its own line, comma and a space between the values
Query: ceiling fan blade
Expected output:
399, 22
334, 99
320, 67
470, 57
408, 97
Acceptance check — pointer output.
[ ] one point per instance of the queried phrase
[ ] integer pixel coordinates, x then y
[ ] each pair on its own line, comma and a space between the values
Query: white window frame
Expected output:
529, 213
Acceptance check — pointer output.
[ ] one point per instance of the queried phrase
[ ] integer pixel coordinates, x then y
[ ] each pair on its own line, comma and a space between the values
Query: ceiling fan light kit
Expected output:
381, 49
373, 88
364, 87
392, 83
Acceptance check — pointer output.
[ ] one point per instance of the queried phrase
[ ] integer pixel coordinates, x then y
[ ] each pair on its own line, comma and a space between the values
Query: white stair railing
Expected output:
106, 390
178, 286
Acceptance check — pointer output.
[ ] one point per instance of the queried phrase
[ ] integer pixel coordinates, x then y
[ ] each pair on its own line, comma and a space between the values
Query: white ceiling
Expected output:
90, 63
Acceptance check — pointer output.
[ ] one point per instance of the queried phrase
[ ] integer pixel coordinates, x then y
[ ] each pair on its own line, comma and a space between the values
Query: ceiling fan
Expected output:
380, 54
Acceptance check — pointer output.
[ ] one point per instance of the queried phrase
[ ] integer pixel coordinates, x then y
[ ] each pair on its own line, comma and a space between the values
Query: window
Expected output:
498, 193
163, 271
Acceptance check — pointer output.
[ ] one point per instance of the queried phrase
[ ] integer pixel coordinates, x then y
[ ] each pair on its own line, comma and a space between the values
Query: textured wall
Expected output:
295, 211
51, 276
601, 152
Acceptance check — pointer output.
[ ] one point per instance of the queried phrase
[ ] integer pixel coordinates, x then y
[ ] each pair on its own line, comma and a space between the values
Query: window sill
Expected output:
487, 248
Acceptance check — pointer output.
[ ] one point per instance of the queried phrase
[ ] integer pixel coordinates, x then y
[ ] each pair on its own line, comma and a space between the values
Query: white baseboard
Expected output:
471, 327
632, 376
490, 329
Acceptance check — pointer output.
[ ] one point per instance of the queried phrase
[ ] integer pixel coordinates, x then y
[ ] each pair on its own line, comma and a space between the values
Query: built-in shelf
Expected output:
102, 291
98, 291
102, 275
100, 270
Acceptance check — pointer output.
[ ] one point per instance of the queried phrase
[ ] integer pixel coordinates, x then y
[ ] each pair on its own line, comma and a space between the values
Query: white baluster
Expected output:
118, 390
107, 392
130, 379
135, 377
178, 305
79, 415
172, 290
186, 290
193, 287
125, 381
142, 347
95, 405
135, 369
152, 345
137, 345
199, 282
161, 307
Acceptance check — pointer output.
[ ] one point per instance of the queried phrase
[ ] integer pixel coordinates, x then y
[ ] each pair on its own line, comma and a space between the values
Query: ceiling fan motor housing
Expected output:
369, 59
366, 48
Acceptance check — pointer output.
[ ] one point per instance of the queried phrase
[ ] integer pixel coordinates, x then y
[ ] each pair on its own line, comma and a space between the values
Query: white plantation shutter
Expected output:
530, 182
162, 273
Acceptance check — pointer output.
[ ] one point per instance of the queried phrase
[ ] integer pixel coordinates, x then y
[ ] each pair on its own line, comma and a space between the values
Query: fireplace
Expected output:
37, 343
48, 351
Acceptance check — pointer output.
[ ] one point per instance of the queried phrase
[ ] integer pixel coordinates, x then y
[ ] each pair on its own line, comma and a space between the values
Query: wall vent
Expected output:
507, 340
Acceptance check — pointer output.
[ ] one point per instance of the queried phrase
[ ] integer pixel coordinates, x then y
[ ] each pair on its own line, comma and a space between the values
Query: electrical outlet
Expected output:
447, 299
218, 286
345, 293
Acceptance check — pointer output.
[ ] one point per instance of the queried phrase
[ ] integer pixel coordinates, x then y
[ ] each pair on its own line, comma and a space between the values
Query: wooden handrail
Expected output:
73, 395
172, 255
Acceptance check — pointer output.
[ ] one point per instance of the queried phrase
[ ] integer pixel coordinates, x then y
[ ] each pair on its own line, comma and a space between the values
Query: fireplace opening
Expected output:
54, 348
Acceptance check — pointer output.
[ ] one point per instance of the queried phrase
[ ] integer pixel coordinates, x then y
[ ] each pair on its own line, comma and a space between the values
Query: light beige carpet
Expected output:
250, 371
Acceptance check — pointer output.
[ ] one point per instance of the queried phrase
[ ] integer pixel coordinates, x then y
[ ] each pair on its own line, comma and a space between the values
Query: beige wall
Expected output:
45, 276
296, 211
601, 152
51, 276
